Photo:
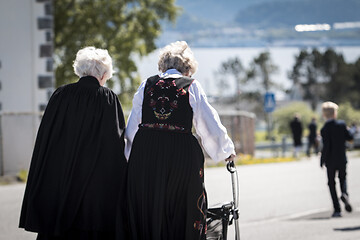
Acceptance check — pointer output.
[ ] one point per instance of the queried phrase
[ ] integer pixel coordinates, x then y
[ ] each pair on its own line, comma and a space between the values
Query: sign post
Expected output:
269, 102
269, 107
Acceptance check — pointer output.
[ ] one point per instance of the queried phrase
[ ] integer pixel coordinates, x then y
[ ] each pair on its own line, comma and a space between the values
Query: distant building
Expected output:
26, 77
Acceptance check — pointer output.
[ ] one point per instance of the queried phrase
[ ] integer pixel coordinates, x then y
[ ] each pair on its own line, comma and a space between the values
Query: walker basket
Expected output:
218, 219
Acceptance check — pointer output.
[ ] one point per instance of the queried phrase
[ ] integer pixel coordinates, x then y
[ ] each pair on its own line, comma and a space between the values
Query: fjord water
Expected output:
210, 60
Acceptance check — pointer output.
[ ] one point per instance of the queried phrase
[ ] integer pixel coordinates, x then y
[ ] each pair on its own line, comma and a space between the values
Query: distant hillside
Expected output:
215, 10
285, 13
251, 23
219, 12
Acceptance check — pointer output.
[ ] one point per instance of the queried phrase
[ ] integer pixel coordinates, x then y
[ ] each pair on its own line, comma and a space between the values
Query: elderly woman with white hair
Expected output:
77, 173
165, 190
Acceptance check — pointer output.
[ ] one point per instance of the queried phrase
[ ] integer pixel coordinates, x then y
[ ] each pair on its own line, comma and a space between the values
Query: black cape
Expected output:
78, 167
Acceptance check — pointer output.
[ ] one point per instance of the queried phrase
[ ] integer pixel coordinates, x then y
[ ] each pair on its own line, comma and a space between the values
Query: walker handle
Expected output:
231, 166
235, 185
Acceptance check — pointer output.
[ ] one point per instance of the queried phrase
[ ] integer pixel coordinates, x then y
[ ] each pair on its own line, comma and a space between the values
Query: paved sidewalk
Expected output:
317, 226
10, 205
282, 201
286, 201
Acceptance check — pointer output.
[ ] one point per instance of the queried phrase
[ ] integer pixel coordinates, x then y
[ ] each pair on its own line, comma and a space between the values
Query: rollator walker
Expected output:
222, 216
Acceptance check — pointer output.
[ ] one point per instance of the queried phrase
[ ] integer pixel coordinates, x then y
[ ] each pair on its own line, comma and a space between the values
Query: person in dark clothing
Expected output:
297, 131
78, 168
312, 140
166, 193
334, 136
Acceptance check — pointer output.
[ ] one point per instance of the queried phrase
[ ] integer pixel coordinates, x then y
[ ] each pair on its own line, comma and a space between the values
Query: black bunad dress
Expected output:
77, 175
166, 193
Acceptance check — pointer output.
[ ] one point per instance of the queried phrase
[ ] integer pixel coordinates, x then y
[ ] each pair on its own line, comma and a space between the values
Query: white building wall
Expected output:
25, 31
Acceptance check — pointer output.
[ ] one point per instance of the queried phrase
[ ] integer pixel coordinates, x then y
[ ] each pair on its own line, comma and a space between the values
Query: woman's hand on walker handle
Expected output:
230, 158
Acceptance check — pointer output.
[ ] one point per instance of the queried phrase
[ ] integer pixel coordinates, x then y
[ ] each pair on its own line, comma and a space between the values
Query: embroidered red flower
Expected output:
160, 83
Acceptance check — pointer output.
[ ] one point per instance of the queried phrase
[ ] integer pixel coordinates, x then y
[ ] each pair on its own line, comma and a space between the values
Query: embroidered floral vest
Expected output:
166, 104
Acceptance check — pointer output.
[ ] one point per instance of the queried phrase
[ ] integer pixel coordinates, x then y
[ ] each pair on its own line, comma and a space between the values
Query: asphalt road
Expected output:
288, 200
277, 201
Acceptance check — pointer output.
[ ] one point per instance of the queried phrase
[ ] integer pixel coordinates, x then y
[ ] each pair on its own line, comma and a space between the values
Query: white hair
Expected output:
91, 61
177, 55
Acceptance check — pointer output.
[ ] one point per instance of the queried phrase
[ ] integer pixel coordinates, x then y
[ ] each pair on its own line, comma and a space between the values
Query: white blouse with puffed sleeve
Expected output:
206, 121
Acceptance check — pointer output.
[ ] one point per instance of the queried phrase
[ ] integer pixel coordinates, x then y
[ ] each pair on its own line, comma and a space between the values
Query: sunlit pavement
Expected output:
10, 204
277, 201
288, 200
313, 226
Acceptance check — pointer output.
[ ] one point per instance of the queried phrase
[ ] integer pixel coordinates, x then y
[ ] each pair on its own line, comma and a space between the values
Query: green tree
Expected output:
345, 84
356, 79
347, 113
340, 86
308, 74
259, 73
253, 82
233, 68
326, 77
126, 28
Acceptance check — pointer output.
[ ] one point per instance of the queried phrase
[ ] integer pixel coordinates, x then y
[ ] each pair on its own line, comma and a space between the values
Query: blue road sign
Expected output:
269, 102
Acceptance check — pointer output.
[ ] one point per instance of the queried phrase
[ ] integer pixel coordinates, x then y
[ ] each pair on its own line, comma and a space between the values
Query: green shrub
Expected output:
347, 113
22, 175
285, 114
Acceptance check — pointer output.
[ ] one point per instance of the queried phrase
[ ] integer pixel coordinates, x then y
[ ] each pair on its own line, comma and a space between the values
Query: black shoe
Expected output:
345, 200
336, 214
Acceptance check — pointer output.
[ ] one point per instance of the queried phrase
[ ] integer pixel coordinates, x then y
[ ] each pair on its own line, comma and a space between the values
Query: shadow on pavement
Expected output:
348, 229
326, 215
319, 218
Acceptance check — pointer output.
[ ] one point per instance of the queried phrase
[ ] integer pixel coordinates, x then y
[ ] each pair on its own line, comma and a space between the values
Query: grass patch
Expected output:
243, 159
248, 160
262, 136
6, 180
22, 175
